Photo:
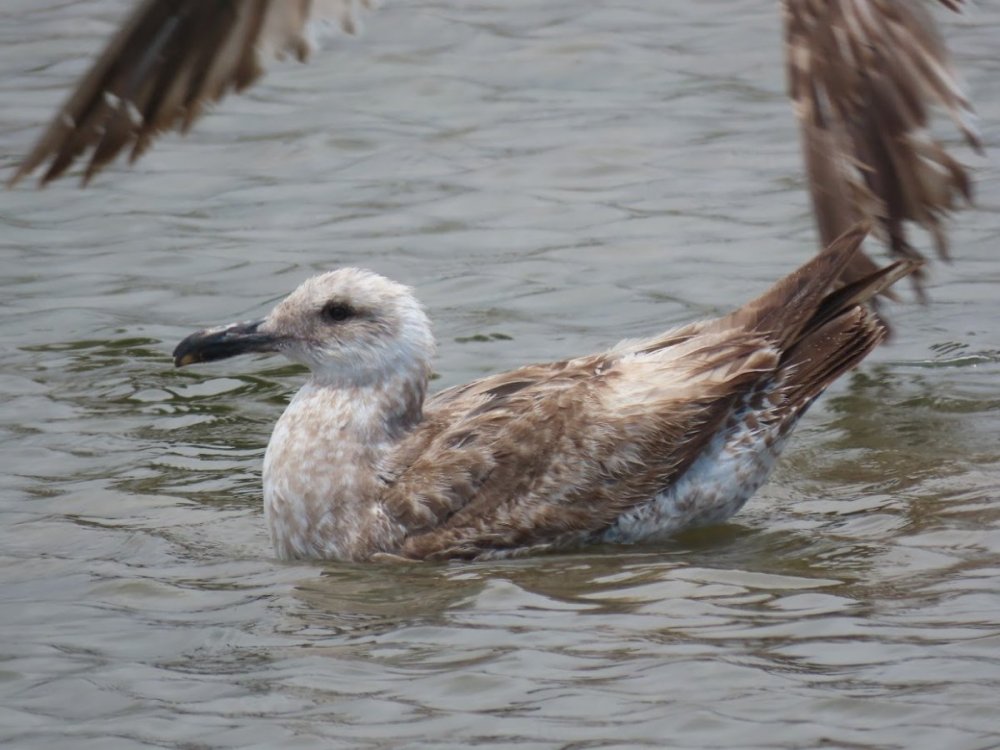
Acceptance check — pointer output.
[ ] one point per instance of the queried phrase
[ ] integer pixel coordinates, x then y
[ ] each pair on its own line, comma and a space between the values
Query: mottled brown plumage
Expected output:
633, 443
864, 75
168, 61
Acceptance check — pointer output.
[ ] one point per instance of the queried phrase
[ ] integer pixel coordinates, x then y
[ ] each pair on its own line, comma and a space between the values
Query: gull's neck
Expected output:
321, 468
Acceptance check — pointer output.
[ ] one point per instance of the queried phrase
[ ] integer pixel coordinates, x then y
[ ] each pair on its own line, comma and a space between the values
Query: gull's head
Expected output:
349, 327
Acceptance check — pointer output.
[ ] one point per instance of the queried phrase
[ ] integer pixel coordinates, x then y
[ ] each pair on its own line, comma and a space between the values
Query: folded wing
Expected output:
548, 456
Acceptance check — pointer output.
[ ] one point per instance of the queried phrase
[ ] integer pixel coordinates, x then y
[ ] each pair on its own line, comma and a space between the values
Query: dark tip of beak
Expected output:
224, 342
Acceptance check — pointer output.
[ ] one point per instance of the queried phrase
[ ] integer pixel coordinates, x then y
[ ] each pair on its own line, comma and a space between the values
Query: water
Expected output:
550, 177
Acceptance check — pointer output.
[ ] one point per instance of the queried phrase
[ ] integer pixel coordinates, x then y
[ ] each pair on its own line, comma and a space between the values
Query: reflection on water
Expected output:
551, 178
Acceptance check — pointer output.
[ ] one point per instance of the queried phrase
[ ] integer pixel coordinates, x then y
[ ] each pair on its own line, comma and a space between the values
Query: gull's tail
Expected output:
821, 333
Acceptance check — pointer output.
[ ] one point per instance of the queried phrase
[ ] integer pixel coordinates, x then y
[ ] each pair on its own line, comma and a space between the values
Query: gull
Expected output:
863, 76
632, 444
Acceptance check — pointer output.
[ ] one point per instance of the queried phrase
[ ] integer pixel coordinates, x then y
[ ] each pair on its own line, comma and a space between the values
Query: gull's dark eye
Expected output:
337, 312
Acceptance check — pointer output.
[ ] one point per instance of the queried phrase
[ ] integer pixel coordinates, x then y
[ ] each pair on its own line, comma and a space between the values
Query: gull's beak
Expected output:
224, 341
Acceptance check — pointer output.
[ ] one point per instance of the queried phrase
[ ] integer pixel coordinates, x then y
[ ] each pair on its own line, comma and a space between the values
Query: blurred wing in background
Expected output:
864, 76
168, 61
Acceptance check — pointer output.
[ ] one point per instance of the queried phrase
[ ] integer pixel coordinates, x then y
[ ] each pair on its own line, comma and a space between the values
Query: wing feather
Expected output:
169, 60
864, 76
498, 467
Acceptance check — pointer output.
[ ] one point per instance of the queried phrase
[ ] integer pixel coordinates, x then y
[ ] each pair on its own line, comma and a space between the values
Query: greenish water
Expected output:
550, 177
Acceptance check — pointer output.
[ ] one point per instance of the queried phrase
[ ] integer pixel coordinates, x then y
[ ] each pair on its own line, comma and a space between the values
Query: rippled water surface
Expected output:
550, 176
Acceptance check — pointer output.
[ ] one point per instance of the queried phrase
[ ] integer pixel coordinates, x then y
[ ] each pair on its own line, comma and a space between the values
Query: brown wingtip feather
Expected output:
169, 60
865, 76
827, 333
815, 293
784, 308
840, 333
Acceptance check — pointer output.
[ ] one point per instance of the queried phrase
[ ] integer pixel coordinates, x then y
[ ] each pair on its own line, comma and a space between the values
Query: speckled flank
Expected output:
733, 466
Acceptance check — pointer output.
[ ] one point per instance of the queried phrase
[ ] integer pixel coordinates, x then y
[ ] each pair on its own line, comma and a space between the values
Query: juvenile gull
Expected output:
635, 443
863, 75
